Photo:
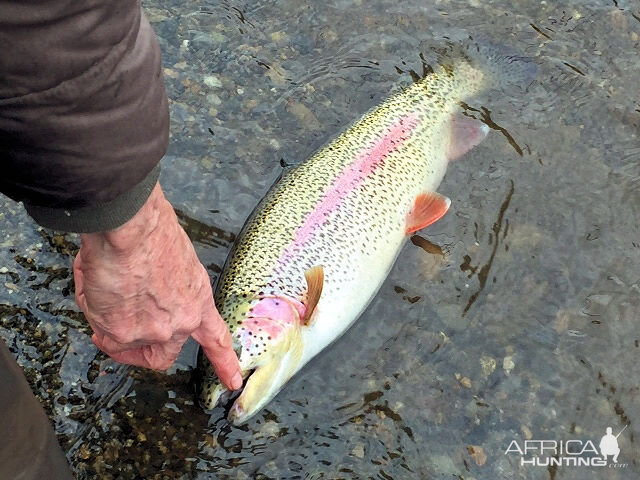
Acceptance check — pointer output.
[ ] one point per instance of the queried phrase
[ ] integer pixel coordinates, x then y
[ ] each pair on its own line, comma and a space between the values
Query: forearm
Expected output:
83, 111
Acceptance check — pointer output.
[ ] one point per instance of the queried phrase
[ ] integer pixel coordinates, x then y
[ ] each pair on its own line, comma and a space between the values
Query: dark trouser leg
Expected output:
28, 446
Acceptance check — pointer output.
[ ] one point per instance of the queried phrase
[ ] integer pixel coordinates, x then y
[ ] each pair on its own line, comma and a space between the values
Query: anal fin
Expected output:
428, 208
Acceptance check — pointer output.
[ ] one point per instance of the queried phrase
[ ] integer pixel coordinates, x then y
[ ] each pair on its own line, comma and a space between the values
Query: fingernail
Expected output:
236, 381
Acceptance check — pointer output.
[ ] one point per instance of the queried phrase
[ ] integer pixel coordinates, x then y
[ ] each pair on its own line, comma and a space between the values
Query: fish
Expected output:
319, 245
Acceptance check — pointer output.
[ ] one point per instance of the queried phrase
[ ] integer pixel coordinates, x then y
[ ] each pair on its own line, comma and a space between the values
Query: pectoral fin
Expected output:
315, 282
428, 208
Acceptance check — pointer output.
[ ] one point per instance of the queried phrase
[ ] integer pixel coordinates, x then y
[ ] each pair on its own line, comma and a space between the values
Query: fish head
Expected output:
267, 339
266, 327
270, 346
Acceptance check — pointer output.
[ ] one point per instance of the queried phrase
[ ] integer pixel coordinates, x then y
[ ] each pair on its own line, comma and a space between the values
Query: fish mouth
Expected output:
232, 401
239, 405
230, 396
229, 400
210, 393
227, 397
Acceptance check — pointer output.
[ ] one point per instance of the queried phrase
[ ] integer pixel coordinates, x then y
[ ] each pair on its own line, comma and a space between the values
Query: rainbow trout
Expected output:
317, 248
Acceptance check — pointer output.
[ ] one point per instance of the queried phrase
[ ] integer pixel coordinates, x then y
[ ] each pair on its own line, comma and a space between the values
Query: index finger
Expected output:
215, 340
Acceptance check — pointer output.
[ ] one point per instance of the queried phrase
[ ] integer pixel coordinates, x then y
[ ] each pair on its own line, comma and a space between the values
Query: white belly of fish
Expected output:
342, 303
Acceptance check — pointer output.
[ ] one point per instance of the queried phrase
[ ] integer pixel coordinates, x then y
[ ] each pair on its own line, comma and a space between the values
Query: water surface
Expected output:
514, 317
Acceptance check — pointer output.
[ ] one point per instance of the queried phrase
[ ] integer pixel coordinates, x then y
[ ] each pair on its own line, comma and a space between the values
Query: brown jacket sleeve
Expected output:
83, 110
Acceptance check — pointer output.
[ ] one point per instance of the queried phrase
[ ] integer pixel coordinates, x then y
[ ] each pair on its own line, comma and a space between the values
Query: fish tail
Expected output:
503, 65
480, 65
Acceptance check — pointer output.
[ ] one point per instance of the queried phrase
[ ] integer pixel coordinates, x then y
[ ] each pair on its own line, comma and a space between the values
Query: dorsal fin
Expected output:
315, 282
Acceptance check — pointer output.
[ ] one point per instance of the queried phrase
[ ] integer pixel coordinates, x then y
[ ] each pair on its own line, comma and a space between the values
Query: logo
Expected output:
570, 453
609, 445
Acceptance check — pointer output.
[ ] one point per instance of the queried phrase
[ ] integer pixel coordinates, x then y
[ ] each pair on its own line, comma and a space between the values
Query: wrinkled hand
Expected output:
144, 292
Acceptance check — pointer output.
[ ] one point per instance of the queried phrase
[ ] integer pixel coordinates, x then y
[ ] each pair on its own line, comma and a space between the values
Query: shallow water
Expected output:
514, 317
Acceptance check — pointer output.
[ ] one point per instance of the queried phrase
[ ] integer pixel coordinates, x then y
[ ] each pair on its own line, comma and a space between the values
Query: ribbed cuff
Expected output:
101, 217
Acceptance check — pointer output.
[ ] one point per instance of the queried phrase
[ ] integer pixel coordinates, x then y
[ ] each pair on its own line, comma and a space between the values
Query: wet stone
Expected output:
358, 451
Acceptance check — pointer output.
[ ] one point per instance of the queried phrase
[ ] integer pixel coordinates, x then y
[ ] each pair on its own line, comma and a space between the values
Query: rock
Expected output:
274, 143
250, 104
561, 322
444, 465
170, 73
279, 37
83, 452
326, 35
596, 304
477, 454
216, 37
213, 99
358, 451
277, 74
526, 236
526, 432
212, 81
618, 20
211, 441
488, 365
207, 163
303, 114
508, 364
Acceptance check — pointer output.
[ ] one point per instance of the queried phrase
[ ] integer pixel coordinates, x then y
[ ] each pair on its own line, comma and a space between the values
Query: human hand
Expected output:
144, 292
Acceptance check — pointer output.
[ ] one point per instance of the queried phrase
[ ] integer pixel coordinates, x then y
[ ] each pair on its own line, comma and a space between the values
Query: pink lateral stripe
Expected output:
362, 167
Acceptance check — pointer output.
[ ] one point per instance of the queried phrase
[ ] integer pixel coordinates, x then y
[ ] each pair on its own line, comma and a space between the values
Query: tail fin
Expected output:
498, 66
503, 65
